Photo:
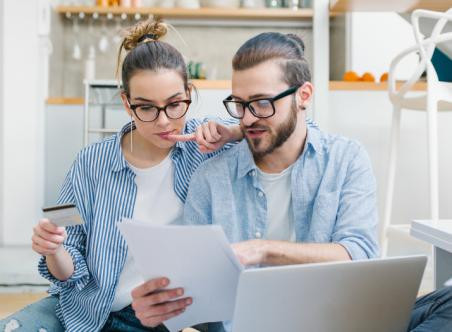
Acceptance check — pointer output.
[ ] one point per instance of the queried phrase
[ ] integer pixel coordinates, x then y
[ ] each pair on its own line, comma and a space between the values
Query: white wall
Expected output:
2, 20
366, 116
375, 39
21, 127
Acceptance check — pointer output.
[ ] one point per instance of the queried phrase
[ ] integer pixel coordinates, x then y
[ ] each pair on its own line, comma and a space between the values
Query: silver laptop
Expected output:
369, 295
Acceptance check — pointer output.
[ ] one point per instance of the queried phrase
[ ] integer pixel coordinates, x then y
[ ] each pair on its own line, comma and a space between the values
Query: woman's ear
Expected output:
126, 103
190, 90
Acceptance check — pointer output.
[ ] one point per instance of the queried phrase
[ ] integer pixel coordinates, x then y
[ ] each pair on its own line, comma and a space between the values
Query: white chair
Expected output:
438, 96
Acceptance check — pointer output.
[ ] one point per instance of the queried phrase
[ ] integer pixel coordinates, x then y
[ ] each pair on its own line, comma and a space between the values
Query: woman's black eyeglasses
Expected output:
148, 112
259, 107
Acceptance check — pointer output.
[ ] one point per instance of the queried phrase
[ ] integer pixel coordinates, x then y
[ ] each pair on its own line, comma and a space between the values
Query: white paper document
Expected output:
197, 258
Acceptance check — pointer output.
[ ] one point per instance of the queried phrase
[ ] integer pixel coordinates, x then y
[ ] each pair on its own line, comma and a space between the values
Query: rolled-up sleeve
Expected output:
75, 242
357, 218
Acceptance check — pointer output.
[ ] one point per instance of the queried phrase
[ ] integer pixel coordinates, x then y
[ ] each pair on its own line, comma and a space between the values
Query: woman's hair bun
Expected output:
149, 30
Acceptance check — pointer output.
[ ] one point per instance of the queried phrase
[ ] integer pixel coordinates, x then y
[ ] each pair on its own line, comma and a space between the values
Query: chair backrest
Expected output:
426, 49
425, 46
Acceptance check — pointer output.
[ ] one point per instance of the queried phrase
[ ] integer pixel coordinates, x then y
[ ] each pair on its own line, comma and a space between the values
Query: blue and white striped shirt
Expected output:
102, 186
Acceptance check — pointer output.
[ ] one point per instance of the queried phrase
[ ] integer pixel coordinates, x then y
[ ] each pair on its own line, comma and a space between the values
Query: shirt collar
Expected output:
119, 162
314, 137
245, 157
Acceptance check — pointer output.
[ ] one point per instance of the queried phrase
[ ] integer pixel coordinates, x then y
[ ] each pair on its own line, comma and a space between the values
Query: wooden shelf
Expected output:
226, 85
199, 84
371, 86
401, 6
65, 101
201, 13
211, 84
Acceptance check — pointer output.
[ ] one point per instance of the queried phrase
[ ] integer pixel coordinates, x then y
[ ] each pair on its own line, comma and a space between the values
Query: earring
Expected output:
131, 133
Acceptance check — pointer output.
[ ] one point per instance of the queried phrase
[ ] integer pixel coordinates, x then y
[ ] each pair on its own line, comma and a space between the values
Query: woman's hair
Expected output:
288, 49
147, 52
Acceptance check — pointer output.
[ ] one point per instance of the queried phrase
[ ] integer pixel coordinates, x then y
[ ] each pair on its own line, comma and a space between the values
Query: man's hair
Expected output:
288, 49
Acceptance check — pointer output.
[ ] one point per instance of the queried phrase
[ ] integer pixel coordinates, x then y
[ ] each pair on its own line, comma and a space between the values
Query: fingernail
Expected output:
164, 282
180, 292
188, 301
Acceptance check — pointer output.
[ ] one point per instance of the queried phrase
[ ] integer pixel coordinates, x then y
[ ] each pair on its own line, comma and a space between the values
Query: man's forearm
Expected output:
285, 253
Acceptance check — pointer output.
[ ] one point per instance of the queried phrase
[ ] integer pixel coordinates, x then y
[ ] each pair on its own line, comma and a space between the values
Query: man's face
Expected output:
265, 80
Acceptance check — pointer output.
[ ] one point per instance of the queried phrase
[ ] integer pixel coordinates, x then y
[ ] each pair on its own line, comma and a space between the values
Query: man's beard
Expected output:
277, 137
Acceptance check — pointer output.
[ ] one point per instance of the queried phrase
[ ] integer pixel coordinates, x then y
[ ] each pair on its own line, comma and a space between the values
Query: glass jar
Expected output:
273, 3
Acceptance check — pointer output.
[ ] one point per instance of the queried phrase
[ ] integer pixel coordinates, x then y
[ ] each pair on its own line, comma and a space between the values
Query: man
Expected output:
289, 193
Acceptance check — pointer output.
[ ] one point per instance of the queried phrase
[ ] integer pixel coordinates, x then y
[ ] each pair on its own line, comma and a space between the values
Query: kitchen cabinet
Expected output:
200, 13
317, 17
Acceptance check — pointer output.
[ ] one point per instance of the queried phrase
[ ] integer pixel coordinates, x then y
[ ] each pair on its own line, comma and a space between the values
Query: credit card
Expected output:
63, 215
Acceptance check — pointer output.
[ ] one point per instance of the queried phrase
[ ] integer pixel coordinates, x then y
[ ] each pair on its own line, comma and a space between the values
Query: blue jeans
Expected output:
125, 320
37, 317
433, 312
40, 316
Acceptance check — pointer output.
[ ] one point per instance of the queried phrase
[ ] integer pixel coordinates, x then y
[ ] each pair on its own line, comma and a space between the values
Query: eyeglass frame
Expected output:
133, 107
246, 104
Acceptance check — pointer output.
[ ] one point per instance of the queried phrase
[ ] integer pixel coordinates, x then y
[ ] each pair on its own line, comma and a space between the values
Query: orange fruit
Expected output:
367, 77
384, 77
351, 76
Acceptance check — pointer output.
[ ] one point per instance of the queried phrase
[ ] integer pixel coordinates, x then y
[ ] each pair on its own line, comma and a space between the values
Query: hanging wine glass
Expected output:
76, 49
104, 43
117, 31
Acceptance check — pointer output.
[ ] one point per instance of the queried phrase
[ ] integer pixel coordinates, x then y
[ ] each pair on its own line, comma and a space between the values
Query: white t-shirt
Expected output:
156, 203
277, 188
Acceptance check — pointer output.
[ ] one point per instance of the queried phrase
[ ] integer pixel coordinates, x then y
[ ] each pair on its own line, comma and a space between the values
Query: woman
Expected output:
141, 173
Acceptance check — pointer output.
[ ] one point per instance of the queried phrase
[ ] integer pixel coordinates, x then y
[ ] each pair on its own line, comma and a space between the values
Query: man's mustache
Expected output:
255, 127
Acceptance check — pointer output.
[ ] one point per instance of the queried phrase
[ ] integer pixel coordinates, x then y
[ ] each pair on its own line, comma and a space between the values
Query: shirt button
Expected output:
260, 194
253, 173
258, 235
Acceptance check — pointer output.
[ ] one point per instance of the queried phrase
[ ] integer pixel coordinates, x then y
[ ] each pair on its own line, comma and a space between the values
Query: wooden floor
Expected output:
10, 303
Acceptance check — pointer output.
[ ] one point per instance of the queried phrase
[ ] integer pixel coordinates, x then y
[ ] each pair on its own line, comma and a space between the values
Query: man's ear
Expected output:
125, 102
304, 94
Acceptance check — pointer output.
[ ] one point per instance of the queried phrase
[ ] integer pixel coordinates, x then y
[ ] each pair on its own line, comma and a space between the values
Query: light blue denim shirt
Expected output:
333, 195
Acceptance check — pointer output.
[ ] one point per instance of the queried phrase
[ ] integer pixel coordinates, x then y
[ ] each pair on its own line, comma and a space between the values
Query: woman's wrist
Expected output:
60, 264
237, 134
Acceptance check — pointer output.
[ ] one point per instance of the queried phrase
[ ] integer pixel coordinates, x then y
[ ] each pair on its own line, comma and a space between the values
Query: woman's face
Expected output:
147, 89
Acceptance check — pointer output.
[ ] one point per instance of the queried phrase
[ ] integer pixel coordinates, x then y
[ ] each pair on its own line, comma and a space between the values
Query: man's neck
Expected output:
288, 153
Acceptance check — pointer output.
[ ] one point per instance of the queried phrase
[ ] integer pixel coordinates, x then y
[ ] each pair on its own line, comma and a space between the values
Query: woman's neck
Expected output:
141, 153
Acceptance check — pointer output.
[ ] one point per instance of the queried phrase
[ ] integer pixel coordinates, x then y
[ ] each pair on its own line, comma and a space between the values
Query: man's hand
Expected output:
153, 304
210, 136
268, 252
252, 252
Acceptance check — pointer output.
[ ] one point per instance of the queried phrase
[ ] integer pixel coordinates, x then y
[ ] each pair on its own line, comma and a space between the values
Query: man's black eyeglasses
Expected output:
259, 107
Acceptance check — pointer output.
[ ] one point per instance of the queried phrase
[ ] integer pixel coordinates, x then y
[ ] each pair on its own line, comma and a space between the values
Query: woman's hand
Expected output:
47, 238
211, 136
